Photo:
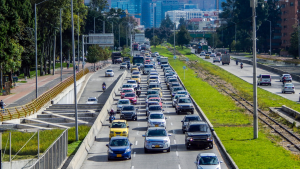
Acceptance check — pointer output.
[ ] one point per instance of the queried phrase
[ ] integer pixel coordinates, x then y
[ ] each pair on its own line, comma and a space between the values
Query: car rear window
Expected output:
129, 95
148, 66
199, 128
123, 102
265, 76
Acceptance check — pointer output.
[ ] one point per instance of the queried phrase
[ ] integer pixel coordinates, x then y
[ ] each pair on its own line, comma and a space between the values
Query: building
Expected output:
219, 4
133, 7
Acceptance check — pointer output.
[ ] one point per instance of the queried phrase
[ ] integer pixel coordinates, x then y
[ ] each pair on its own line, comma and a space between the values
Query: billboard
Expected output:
102, 39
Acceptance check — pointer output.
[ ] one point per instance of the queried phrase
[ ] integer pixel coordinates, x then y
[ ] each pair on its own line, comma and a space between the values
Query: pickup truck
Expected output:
198, 134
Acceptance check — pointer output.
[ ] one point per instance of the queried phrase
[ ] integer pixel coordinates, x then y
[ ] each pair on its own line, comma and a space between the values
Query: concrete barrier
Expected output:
291, 112
88, 141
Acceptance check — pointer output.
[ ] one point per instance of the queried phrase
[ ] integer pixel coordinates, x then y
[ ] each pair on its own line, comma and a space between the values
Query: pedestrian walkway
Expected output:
17, 96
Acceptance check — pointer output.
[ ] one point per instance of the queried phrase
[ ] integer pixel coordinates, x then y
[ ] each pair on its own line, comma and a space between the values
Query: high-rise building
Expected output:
133, 7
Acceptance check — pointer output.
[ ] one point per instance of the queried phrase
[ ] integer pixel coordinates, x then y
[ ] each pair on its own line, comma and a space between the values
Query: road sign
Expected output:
184, 67
174, 57
187, 59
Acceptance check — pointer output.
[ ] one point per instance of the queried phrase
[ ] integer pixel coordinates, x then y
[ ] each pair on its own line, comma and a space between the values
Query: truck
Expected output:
143, 47
226, 59
205, 48
116, 57
135, 46
140, 60
163, 60
139, 38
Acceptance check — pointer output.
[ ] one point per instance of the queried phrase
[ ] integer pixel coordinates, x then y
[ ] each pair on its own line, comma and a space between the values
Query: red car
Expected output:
157, 99
126, 90
131, 96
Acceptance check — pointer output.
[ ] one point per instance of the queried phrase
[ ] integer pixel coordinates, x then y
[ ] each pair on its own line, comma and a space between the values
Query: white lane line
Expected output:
169, 117
177, 153
137, 133
138, 124
134, 154
178, 166
175, 143
132, 167
136, 142
171, 123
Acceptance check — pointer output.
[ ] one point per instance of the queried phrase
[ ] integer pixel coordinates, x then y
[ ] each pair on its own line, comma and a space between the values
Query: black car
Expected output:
189, 118
198, 134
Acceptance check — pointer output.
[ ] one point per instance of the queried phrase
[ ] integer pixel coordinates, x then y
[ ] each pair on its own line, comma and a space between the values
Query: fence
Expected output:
54, 156
35, 105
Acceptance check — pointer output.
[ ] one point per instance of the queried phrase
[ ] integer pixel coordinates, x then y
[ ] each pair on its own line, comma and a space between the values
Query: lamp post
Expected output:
78, 41
270, 38
60, 29
234, 36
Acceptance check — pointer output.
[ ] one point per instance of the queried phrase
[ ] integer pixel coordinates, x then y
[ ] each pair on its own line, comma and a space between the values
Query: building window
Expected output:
283, 5
292, 4
284, 19
284, 26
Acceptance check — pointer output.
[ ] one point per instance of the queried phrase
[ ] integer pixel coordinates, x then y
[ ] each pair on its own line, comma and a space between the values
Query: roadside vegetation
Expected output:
47, 137
232, 124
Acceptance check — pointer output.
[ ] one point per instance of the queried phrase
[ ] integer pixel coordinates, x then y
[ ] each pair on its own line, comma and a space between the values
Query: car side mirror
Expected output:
106, 145
131, 144
127, 126
143, 135
169, 134
182, 121
212, 129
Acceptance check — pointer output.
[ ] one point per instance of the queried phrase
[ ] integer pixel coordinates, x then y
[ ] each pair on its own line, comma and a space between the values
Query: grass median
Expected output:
232, 125
47, 137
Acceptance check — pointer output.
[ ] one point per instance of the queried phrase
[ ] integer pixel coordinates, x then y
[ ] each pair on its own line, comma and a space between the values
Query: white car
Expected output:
92, 100
153, 78
157, 139
156, 120
133, 82
288, 87
207, 161
109, 73
127, 85
202, 54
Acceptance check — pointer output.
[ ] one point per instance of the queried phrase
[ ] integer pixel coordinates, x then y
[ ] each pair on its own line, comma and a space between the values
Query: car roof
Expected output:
92, 98
156, 112
184, 98
119, 121
207, 154
197, 122
153, 83
156, 128
152, 102
119, 137
123, 100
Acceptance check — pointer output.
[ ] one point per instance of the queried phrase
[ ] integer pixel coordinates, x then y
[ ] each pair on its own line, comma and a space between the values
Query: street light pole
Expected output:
119, 36
234, 36
60, 29
174, 37
270, 38
94, 25
103, 26
54, 52
78, 41
36, 71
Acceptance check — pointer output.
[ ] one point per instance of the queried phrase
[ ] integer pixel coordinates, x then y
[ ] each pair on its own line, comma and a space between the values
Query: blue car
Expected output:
119, 148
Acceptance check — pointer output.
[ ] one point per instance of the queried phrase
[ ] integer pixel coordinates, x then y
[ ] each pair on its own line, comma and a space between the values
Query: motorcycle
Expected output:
103, 88
241, 66
111, 118
237, 62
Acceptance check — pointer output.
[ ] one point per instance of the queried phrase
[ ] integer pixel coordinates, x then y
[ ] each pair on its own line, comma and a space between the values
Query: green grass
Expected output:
23, 81
232, 125
47, 137
57, 65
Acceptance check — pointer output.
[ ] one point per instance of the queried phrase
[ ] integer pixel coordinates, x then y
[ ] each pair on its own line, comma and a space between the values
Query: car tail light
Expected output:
285, 87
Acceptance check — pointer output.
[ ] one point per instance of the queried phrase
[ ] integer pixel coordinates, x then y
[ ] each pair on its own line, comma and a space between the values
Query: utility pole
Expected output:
60, 28
270, 38
94, 26
54, 52
78, 41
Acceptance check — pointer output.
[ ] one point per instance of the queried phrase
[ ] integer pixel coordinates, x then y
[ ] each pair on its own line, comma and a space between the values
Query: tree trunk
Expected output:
41, 63
44, 58
28, 71
49, 58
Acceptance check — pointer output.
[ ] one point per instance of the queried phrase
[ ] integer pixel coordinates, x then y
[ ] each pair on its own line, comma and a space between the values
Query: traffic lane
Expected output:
94, 86
247, 75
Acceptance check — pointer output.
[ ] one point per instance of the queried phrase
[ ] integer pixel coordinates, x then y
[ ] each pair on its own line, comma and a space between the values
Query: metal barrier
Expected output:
35, 105
54, 156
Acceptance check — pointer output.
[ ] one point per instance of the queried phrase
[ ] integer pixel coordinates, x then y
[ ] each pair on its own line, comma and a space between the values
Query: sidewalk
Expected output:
17, 96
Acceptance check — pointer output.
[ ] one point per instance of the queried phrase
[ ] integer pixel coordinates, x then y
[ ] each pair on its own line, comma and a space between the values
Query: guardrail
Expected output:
35, 105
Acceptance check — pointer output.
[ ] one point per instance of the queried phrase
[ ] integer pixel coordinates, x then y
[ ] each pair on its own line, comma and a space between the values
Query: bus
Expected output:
135, 46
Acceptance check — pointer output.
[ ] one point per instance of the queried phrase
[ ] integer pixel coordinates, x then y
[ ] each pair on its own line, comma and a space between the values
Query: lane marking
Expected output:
178, 166
137, 133
132, 167
134, 154
138, 124
171, 123
177, 153
136, 142
175, 143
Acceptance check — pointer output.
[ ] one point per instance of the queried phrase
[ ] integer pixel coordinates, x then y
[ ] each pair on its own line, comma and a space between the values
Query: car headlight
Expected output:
165, 141
110, 151
127, 150
190, 138
209, 138
124, 132
111, 132
147, 142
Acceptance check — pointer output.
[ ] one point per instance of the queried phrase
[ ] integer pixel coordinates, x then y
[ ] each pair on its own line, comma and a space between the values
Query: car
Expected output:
92, 100
118, 60
171, 80
164, 65
142, 51
154, 85
219, 54
208, 160
288, 77
128, 112
133, 82
127, 85
137, 78
119, 148
188, 118
139, 65
157, 139
123, 65
159, 91
202, 54
121, 103
264, 79
288, 87
132, 97
152, 74
154, 55
173, 84
207, 56
118, 128
151, 103
156, 120
151, 91
154, 78
134, 68
157, 53
175, 89
109, 73
147, 68
126, 90
154, 109
156, 99
158, 59
183, 92
212, 55
198, 134
151, 95
216, 59
176, 97
136, 73
184, 104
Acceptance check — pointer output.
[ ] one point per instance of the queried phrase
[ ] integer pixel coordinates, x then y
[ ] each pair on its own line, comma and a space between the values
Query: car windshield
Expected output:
198, 128
286, 75
209, 160
154, 108
182, 92
176, 96
153, 103
187, 119
128, 108
184, 101
148, 66
126, 91
152, 92
123, 102
175, 84
176, 89
156, 133
136, 72
131, 81
152, 95
153, 74
265, 76
127, 86
134, 76
90, 100
109, 71
156, 116
154, 100
173, 80
119, 142
118, 125
129, 95
289, 85
155, 77
153, 86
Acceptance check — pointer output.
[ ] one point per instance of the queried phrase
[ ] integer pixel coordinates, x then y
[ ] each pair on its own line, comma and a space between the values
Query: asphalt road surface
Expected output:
178, 158
247, 75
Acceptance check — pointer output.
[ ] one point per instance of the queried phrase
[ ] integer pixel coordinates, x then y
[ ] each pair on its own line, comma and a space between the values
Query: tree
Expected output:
167, 23
181, 22
293, 49
125, 52
155, 41
183, 37
94, 55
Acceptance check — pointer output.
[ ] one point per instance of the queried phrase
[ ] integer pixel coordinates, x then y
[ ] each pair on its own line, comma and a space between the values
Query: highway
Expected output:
179, 157
247, 75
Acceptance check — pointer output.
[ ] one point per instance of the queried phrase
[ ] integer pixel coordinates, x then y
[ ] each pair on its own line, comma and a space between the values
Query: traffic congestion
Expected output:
153, 114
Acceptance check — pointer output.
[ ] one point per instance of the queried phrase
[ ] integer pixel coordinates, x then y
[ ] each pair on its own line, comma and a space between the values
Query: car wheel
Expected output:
108, 159
283, 91
129, 157
145, 150
211, 146
169, 149
270, 84
192, 112
187, 147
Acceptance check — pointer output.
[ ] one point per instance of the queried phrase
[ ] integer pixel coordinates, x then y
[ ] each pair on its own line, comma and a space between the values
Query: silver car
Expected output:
92, 100
288, 77
176, 97
187, 119
123, 65
121, 103
288, 87
157, 139
133, 82
154, 109
110, 73
156, 120
207, 161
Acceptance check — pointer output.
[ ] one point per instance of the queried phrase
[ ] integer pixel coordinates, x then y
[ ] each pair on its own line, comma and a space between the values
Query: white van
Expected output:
264, 79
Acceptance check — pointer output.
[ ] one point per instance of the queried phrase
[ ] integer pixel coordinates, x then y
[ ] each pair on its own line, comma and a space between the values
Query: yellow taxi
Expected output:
137, 78
119, 128
159, 89
207, 56
147, 54
134, 68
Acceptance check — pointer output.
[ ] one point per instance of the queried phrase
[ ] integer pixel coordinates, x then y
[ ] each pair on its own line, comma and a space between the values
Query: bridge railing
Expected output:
35, 105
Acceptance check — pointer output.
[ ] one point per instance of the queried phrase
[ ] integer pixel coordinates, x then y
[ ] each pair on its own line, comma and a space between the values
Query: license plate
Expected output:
119, 155
156, 125
118, 135
156, 146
